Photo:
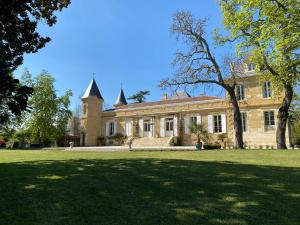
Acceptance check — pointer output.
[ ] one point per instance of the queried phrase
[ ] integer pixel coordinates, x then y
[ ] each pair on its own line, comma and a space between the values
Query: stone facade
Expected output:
172, 117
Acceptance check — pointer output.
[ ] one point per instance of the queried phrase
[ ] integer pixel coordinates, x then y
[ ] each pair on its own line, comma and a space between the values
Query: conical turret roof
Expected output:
121, 100
92, 91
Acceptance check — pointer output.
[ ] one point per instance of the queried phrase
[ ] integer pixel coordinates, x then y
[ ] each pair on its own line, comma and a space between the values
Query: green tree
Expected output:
269, 30
18, 28
294, 120
200, 132
49, 114
139, 97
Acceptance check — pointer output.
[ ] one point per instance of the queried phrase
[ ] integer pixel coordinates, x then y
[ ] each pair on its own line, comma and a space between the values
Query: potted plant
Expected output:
222, 138
201, 133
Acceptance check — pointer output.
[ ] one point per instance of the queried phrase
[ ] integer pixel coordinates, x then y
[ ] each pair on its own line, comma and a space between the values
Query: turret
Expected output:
91, 121
121, 100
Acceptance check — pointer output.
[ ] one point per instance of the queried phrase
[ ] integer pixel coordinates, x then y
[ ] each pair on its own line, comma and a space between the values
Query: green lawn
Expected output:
211, 187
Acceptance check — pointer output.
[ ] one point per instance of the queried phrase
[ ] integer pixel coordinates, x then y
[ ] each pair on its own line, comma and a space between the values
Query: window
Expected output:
244, 121
193, 120
267, 93
169, 124
147, 126
111, 130
240, 92
84, 108
217, 124
269, 120
251, 67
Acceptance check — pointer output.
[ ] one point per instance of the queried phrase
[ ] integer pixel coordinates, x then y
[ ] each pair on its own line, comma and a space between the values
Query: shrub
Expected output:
12, 143
119, 138
101, 141
212, 146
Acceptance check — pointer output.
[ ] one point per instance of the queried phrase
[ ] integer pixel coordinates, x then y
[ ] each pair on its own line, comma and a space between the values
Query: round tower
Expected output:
91, 120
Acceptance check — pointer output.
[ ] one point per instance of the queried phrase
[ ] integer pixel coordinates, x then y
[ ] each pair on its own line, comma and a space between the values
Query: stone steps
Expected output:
149, 141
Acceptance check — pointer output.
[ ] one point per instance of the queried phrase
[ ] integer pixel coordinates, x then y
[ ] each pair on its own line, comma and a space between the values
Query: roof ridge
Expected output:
168, 101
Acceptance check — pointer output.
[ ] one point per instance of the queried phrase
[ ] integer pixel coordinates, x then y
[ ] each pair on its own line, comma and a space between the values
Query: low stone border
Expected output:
125, 148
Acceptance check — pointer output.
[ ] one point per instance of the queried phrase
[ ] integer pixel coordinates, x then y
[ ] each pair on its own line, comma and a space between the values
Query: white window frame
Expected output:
111, 128
267, 92
147, 125
217, 123
193, 120
244, 118
240, 92
169, 124
267, 115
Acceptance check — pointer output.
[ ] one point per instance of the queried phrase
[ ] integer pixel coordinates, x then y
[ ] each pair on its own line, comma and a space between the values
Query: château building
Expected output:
167, 121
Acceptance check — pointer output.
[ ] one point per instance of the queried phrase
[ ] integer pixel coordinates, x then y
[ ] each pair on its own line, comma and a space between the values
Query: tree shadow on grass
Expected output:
148, 191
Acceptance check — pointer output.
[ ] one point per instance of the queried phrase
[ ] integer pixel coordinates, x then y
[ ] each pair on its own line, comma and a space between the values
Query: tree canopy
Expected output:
269, 30
48, 119
19, 35
139, 97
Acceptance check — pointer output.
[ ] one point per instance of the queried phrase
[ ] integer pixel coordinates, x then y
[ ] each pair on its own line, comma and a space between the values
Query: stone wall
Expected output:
254, 104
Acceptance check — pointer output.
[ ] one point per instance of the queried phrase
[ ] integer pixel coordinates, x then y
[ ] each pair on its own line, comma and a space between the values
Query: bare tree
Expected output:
74, 126
198, 65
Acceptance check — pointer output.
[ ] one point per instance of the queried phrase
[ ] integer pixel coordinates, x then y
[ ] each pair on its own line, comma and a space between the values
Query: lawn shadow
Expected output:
148, 191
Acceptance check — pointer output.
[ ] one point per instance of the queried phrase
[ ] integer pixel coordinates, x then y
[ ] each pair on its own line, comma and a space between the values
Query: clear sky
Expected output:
126, 42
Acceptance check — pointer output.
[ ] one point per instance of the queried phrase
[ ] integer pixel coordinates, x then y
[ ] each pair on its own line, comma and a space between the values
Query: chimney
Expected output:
165, 96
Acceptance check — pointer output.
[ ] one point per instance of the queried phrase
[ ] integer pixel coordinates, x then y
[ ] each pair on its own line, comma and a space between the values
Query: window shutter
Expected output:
187, 125
199, 119
107, 129
141, 127
210, 124
162, 127
128, 128
223, 116
115, 127
175, 126
152, 127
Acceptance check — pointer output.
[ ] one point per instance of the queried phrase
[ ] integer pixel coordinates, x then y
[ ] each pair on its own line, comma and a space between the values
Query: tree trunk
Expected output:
237, 120
283, 114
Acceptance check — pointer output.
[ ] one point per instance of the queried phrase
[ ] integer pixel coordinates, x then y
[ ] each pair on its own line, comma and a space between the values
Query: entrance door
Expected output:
169, 127
147, 128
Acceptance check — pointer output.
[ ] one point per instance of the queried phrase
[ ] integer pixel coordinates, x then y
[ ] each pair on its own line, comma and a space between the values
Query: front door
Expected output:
147, 128
169, 127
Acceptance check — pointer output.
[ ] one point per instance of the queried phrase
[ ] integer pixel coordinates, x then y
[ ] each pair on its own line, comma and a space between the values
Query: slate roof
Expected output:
92, 91
121, 100
179, 95
169, 101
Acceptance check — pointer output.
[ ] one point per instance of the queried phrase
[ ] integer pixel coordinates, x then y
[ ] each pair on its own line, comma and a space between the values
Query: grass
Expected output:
168, 188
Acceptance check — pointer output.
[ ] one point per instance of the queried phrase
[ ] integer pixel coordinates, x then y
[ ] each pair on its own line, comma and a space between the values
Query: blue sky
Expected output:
126, 42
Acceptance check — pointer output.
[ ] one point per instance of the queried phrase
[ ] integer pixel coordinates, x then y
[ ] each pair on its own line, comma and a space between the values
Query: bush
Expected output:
12, 143
36, 145
212, 146
120, 138
101, 141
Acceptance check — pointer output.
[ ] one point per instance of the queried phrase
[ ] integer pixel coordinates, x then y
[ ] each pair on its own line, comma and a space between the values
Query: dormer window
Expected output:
240, 92
251, 67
